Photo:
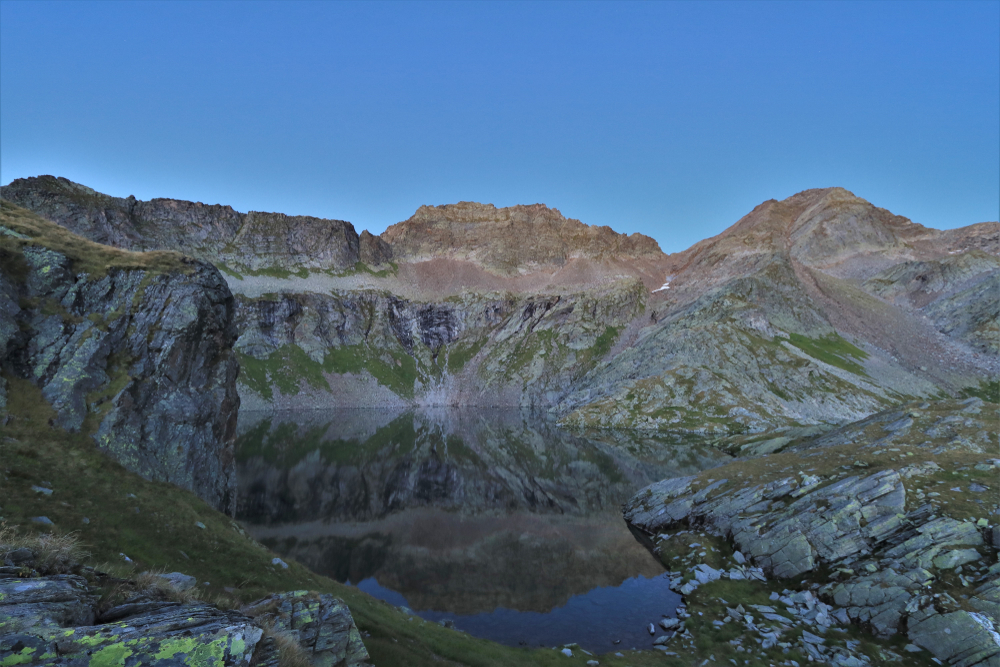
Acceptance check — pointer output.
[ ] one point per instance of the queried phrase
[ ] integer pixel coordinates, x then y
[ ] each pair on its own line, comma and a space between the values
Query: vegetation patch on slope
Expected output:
831, 349
288, 367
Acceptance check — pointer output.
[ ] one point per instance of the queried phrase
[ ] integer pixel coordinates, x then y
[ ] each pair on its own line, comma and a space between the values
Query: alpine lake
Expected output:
497, 522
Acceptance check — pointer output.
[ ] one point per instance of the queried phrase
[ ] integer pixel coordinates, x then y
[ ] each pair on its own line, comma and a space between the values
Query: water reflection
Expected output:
479, 516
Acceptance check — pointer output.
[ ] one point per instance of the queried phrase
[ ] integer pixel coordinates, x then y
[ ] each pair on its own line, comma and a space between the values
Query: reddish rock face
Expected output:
510, 241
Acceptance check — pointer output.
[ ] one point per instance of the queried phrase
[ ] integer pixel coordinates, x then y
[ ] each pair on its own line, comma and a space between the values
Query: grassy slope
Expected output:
87, 257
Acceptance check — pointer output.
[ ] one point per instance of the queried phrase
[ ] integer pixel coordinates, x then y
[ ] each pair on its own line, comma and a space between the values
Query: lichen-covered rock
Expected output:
51, 621
322, 625
961, 638
168, 634
55, 601
140, 355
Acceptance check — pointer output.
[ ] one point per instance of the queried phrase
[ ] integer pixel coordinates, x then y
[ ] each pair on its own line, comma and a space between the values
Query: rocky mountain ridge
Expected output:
819, 308
251, 241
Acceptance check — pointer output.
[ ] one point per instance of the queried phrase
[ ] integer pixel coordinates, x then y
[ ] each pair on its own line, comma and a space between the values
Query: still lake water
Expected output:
497, 520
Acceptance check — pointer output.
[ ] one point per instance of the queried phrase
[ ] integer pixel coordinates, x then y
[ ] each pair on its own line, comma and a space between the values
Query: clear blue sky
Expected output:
673, 119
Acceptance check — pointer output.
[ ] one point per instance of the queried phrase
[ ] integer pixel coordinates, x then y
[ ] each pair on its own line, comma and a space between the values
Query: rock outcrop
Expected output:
135, 349
55, 620
364, 347
882, 546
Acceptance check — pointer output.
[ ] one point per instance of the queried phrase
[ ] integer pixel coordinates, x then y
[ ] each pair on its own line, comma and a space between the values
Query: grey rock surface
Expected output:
53, 621
888, 558
321, 624
139, 357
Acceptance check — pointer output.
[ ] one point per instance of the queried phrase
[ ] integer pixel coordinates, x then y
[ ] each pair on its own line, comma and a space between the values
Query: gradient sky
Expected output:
673, 119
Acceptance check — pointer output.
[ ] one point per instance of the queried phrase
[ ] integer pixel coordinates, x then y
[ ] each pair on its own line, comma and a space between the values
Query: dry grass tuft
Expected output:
290, 651
54, 554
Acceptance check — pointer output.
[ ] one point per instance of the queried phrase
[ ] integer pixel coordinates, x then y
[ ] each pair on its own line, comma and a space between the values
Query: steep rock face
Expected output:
958, 293
510, 240
134, 348
477, 349
372, 250
274, 239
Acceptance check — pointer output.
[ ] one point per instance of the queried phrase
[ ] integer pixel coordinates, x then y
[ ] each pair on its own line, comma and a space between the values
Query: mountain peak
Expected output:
510, 240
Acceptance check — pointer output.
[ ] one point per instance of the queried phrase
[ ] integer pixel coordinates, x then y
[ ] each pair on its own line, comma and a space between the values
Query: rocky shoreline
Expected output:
880, 548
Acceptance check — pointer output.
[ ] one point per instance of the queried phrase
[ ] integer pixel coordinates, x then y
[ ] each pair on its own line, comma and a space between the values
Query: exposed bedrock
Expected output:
137, 353
885, 546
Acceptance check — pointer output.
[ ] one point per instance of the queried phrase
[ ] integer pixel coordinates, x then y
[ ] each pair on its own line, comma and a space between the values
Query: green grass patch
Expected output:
391, 270
461, 352
395, 370
287, 367
988, 391
221, 266
833, 350
604, 342
277, 272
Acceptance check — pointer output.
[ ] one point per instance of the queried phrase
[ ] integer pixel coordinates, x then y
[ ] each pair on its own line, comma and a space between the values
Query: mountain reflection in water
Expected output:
479, 516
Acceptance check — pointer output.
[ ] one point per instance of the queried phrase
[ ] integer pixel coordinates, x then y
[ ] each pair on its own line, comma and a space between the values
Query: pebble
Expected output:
280, 563
44, 520
41, 489
199, 524
567, 652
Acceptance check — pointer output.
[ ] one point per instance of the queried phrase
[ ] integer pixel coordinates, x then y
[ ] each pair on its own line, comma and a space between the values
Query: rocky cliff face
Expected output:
135, 348
476, 349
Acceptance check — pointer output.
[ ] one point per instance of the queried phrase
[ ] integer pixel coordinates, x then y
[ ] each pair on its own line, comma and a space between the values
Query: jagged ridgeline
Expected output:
817, 309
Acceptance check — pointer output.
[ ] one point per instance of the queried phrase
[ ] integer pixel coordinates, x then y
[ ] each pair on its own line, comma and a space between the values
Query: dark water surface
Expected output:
497, 520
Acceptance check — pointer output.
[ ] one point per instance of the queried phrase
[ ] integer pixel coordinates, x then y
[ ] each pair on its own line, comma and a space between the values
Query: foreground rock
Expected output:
135, 349
909, 548
54, 620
